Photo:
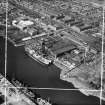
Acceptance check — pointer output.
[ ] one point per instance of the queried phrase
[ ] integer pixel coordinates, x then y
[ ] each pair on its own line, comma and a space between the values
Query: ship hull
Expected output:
38, 59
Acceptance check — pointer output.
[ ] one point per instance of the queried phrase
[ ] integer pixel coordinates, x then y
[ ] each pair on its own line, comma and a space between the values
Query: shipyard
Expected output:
53, 44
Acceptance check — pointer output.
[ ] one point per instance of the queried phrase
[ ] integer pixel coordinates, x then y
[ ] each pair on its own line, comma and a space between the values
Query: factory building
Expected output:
22, 23
57, 47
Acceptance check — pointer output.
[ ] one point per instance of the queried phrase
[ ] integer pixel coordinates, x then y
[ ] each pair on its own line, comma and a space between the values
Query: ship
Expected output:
14, 95
40, 101
37, 57
30, 94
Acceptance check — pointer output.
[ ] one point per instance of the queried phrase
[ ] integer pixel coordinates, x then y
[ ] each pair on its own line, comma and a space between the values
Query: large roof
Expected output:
63, 49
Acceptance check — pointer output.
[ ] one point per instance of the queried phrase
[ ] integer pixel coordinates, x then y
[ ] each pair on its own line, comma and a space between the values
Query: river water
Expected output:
32, 73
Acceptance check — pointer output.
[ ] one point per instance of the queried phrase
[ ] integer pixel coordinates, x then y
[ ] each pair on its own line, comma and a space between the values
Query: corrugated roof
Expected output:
64, 49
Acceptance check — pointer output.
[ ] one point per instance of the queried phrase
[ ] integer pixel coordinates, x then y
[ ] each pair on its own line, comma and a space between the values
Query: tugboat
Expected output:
40, 101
